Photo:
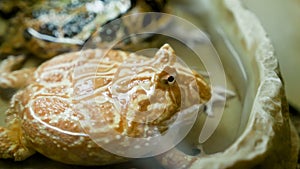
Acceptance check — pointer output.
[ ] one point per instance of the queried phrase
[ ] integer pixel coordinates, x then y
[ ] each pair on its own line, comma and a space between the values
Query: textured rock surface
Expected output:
269, 140
280, 21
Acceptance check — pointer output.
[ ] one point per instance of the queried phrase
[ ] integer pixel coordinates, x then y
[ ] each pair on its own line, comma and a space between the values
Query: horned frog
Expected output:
42, 117
47, 28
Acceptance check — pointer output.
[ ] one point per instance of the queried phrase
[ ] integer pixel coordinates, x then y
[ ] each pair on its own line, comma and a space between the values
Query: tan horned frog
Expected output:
42, 116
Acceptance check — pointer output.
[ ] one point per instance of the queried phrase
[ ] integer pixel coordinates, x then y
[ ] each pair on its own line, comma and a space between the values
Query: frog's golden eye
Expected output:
171, 80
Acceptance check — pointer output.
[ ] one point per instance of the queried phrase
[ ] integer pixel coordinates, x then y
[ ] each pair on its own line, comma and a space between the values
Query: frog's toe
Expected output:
219, 97
10, 146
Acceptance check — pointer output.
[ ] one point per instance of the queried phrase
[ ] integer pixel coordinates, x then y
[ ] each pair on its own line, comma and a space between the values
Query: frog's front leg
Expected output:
218, 98
12, 141
16, 78
11, 146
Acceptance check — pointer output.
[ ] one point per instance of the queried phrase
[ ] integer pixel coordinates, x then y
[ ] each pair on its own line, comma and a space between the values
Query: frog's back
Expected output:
49, 118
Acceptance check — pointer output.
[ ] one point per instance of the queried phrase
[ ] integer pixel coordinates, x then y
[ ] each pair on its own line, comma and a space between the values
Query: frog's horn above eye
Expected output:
165, 56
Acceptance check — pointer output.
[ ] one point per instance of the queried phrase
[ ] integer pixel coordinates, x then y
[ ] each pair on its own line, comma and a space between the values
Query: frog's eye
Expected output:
171, 80
167, 79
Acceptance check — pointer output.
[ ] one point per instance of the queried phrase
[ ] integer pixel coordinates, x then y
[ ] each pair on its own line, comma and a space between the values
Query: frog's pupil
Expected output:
171, 79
